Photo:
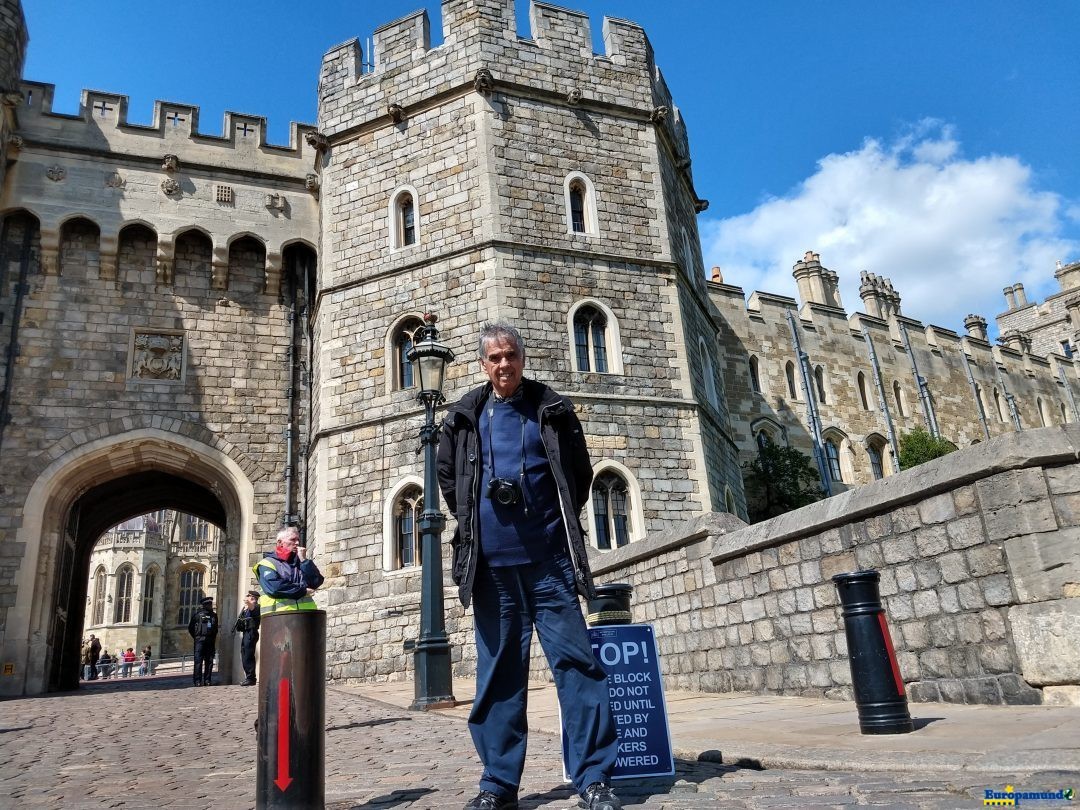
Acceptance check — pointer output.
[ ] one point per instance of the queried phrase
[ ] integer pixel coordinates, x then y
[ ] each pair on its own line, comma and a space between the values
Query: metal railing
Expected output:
166, 665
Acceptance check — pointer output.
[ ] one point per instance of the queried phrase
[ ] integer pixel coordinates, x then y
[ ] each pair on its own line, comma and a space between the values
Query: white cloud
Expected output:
950, 232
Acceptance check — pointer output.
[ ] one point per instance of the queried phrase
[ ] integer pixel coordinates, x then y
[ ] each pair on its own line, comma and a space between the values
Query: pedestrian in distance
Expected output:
104, 665
95, 654
287, 576
203, 629
514, 469
144, 661
85, 660
247, 625
128, 658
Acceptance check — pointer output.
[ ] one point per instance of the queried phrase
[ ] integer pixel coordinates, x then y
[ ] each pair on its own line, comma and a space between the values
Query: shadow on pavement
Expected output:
923, 722
396, 798
381, 721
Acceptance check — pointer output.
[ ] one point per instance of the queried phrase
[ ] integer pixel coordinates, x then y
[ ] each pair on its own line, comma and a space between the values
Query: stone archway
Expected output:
79, 495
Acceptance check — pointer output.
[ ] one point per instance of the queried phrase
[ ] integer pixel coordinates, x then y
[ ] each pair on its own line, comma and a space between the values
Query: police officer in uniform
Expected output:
247, 624
203, 629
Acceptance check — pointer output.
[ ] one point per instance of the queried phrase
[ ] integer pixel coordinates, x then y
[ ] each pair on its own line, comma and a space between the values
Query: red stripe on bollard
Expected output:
892, 655
283, 779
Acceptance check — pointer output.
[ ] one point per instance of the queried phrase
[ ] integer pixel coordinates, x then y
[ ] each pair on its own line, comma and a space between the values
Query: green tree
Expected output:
918, 447
778, 480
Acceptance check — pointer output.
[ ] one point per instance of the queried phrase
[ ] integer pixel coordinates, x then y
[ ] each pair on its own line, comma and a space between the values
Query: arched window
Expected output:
832, 453
100, 585
577, 207
819, 382
898, 396
404, 215
580, 199
407, 509
763, 440
708, 374
402, 342
191, 591
590, 340
149, 585
611, 511
864, 394
1044, 413
755, 375
125, 579
789, 374
875, 450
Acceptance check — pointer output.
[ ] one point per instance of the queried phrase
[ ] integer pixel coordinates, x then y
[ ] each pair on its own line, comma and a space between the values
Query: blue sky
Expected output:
935, 142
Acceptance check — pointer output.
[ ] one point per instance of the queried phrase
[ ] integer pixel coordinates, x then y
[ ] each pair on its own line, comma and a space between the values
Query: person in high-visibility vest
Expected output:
286, 575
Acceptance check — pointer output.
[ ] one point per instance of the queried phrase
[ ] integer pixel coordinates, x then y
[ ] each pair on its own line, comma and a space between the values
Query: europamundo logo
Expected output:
1011, 797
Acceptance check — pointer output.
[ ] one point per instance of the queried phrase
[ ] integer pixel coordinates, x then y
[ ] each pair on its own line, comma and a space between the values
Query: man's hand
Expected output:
301, 553
310, 591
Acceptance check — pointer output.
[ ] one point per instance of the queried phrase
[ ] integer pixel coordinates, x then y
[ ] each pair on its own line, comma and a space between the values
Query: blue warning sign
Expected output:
627, 653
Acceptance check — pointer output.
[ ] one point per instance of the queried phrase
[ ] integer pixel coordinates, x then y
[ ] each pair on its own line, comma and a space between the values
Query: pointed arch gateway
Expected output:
86, 489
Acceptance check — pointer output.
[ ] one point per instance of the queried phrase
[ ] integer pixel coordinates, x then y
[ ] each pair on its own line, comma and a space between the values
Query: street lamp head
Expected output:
429, 358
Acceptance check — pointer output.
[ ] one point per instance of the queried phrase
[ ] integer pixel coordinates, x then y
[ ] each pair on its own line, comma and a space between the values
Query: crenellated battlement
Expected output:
478, 35
102, 124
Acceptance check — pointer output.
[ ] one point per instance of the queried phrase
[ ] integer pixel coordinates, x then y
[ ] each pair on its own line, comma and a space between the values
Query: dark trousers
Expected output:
247, 654
507, 603
204, 660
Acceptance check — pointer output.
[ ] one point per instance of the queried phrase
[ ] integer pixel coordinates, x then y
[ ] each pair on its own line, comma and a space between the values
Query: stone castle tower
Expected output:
520, 179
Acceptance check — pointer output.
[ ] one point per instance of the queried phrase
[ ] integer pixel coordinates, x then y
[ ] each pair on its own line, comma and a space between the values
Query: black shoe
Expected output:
599, 796
249, 682
486, 800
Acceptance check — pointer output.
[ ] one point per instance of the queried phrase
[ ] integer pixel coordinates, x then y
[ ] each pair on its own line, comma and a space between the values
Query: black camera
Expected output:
503, 491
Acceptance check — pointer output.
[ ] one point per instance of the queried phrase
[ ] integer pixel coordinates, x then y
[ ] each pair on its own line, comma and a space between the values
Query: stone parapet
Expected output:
976, 552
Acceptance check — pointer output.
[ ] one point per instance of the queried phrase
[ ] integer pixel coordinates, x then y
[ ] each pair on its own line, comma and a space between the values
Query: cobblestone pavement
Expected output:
162, 744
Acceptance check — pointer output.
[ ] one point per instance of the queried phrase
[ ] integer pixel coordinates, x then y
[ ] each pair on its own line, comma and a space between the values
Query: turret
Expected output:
976, 326
879, 297
817, 285
1068, 275
1017, 341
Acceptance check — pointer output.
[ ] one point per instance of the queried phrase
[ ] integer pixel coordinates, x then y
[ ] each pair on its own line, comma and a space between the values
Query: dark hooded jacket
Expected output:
460, 470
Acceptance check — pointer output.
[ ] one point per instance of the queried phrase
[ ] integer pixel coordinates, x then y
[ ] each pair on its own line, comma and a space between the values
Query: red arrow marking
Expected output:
283, 779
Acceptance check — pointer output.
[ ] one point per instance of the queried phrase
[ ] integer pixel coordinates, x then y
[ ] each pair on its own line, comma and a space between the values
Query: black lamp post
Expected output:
431, 659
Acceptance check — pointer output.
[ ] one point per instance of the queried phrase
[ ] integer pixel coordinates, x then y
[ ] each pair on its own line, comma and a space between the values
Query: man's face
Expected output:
503, 365
249, 600
287, 546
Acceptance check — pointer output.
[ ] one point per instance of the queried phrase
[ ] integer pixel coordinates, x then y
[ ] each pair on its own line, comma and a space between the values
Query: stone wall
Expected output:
980, 580
852, 411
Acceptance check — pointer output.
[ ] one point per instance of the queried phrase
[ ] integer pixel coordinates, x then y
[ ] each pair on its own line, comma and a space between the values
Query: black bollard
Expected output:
611, 605
875, 675
292, 711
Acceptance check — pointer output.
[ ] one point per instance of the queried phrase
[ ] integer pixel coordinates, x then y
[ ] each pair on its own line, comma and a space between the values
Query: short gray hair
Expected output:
286, 531
500, 330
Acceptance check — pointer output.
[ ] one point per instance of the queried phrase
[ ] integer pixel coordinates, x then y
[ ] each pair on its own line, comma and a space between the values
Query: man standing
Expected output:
515, 472
247, 624
286, 575
95, 654
203, 628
